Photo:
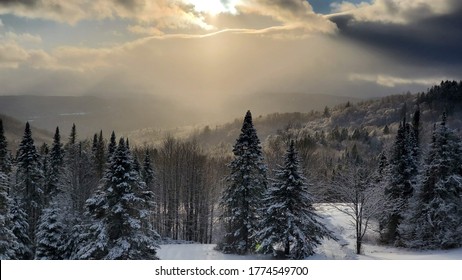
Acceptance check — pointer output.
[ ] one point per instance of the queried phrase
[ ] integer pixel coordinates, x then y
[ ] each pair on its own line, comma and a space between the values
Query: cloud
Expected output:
162, 13
167, 16
391, 81
12, 55
394, 11
291, 13
431, 38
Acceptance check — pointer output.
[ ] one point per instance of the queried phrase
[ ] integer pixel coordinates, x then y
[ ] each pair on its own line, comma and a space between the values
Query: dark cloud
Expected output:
29, 3
130, 5
431, 41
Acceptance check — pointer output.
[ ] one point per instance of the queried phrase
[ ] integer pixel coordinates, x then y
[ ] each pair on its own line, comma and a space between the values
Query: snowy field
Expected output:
343, 249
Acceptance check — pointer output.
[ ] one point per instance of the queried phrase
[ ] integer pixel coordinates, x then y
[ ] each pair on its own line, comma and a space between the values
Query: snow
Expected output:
199, 252
342, 249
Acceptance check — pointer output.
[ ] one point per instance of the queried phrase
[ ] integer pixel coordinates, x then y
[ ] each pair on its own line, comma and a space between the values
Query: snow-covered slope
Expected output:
343, 249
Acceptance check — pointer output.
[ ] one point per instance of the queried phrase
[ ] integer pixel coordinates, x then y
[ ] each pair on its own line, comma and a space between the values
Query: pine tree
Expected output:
73, 136
435, 220
111, 146
5, 161
7, 238
416, 128
50, 234
99, 153
242, 197
29, 180
147, 172
402, 173
120, 212
45, 165
19, 226
289, 219
57, 165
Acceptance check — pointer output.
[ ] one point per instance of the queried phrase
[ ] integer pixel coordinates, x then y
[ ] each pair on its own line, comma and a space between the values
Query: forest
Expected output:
251, 186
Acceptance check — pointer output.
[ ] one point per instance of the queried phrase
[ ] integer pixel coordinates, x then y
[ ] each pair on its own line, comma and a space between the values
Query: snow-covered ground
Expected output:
343, 249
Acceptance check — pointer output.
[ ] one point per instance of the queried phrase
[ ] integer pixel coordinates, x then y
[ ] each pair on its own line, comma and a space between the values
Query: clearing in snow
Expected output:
343, 249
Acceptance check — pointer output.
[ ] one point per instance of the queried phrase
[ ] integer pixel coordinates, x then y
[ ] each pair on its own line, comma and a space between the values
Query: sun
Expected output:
213, 7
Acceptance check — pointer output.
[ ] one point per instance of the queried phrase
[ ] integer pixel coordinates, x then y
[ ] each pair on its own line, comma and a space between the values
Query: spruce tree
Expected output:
29, 180
7, 238
435, 220
119, 213
99, 154
56, 165
402, 173
73, 135
242, 197
5, 161
290, 223
111, 146
147, 172
50, 234
23, 248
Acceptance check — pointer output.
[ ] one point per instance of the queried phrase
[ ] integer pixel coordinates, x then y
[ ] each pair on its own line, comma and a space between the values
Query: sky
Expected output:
209, 52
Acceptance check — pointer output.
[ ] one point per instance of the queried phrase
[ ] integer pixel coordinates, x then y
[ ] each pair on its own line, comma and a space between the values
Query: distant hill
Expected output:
124, 114
14, 131
268, 103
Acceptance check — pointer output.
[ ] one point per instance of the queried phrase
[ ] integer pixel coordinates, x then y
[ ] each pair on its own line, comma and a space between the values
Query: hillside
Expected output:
128, 113
14, 131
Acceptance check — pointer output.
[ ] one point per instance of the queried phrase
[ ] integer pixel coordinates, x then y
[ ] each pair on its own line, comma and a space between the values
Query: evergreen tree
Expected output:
386, 130
7, 238
289, 219
73, 136
57, 164
416, 129
402, 172
111, 146
50, 234
147, 172
99, 153
242, 197
29, 180
46, 171
19, 226
5, 161
120, 212
435, 221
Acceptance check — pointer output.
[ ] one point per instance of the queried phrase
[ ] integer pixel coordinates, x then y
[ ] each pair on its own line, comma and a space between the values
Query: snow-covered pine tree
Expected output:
119, 227
5, 161
29, 180
147, 171
435, 220
402, 173
56, 166
7, 238
99, 154
290, 223
50, 234
23, 246
242, 197
111, 146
